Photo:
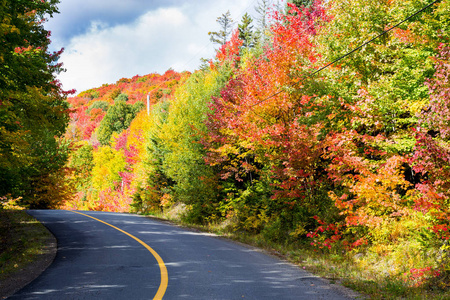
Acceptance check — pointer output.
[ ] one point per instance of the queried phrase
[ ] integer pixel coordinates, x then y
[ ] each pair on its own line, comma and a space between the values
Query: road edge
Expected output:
30, 272
333, 284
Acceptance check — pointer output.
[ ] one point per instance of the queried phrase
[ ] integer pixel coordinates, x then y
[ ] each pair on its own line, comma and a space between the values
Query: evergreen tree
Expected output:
301, 3
245, 31
226, 23
262, 23
118, 118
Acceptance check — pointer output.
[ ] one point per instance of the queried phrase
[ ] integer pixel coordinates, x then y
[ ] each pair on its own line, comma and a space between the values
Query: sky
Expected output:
105, 40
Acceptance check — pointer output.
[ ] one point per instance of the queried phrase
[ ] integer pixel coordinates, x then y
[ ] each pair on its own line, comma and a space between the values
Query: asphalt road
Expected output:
97, 261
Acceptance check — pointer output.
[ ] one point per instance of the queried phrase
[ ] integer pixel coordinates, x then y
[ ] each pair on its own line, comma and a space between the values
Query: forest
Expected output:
319, 122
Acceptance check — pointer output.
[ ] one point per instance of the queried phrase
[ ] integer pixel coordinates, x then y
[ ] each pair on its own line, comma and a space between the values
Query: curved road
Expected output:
97, 261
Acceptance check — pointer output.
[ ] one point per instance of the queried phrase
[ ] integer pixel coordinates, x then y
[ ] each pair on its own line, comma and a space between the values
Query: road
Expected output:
141, 258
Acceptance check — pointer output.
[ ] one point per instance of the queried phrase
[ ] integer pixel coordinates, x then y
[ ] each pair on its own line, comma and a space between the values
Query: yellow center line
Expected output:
162, 267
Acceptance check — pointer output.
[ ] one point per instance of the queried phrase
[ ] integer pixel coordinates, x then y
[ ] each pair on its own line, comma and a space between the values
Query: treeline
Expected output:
33, 109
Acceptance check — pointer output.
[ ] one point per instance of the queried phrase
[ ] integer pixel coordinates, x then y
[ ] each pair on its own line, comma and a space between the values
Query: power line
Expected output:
351, 52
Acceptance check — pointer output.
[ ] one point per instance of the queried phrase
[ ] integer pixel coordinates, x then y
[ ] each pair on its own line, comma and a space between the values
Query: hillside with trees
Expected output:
107, 129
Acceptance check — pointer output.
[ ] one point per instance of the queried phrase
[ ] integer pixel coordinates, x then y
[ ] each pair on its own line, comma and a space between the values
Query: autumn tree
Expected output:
265, 157
369, 139
107, 163
103, 105
176, 145
33, 110
81, 162
155, 190
431, 157
128, 144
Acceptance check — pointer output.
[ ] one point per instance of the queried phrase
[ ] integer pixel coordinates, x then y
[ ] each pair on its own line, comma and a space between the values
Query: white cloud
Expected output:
154, 41
104, 53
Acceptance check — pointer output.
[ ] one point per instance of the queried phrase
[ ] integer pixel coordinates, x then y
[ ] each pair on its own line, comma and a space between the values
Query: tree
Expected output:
175, 144
226, 25
157, 186
245, 31
432, 152
88, 109
118, 118
264, 158
33, 107
382, 92
107, 164
121, 97
103, 105
301, 3
262, 9
82, 162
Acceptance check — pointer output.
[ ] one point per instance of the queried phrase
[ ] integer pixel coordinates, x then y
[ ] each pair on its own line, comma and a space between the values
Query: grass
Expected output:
22, 238
344, 268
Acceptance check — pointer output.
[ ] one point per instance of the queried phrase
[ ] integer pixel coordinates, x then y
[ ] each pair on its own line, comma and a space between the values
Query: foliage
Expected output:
431, 160
126, 175
117, 118
103, 105
154, 186
180, 135
370, 154
81, 163
33, 107
251, 138
121, 97
300, 3
245, 31
262, 29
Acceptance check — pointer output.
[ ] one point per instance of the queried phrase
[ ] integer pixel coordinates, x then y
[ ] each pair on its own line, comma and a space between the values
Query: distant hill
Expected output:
89, 107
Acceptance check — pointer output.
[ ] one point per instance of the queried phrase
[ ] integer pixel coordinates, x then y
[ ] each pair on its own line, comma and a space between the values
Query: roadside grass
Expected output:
370, 278
22, 238
344, 268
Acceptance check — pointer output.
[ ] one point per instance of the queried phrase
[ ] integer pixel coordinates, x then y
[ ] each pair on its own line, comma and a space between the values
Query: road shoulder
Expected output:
26, 274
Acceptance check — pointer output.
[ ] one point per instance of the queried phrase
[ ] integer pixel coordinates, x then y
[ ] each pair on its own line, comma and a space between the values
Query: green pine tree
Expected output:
118, 118
245, 31
262, 23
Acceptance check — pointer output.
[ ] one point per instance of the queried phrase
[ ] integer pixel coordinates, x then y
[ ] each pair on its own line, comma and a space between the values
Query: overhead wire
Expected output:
351, 52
